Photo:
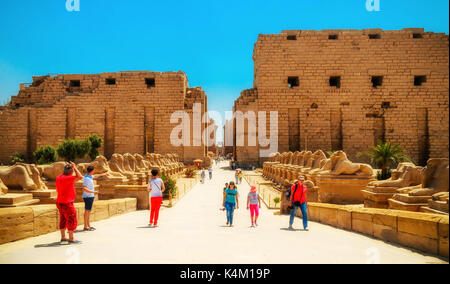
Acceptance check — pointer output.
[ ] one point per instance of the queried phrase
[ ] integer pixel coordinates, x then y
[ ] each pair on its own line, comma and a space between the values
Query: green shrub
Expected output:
17, 158
385, 155
45, 155
96, 143
71, 149
170, 184
276, 200
384, 176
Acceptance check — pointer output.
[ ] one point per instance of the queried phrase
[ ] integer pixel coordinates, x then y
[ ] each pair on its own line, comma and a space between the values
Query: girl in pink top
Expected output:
253, 203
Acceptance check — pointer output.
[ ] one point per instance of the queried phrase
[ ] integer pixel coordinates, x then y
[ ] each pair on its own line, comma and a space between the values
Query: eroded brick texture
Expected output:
130, 110
347, 89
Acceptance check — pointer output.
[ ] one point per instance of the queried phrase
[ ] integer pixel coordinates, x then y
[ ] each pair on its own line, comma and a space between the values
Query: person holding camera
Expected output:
65, 187
298, 199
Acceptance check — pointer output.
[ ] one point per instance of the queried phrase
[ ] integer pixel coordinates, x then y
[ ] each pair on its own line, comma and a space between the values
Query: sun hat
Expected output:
301, 178
253, 188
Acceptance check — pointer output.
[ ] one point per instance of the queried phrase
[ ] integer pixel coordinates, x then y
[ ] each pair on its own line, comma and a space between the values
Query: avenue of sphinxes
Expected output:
25, 184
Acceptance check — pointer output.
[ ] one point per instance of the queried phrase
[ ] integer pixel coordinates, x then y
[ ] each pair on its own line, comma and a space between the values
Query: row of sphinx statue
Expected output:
128, 168
285, 168
408, 185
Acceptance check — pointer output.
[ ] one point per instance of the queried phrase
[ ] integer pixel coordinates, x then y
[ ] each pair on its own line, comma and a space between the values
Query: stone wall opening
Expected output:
291, 37
420, 80
377, 81
110, 81
293, 82
333, 37
423, 135
336, 129
75, 84
150, 82
335, 81
374, 36
294, 129
109, 132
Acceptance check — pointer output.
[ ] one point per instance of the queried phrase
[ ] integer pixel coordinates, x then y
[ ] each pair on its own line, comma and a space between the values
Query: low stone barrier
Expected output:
421, 231
31, 221
184, 186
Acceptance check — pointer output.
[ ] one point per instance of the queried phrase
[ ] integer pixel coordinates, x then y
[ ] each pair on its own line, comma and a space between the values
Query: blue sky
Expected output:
212, 41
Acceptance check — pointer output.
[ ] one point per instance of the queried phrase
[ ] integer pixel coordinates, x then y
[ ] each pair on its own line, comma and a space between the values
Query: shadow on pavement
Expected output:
55, 244
292, 230
145, 227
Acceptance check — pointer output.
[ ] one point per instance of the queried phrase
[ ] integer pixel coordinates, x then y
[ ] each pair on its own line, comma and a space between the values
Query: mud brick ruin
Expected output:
347, 89
130, 110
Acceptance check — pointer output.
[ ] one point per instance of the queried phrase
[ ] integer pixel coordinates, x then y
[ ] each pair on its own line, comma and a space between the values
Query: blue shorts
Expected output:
88, 202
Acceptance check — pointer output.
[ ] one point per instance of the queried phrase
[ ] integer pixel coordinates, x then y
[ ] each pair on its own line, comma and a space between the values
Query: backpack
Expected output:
297, 202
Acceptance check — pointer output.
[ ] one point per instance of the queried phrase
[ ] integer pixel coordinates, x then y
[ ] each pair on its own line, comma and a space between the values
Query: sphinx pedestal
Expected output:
44, 197
436, 207
377, 197
342, 189
17, 199
407, 202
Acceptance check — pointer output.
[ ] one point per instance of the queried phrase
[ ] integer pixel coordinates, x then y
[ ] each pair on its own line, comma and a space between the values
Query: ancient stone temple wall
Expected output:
130, 110
347, 89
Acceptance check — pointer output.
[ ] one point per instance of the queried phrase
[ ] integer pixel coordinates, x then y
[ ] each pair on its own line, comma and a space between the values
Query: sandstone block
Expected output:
45, 219
16, 224
420, 224
418, 242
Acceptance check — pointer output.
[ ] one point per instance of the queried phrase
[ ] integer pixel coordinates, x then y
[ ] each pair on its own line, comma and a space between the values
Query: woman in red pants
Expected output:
156, 188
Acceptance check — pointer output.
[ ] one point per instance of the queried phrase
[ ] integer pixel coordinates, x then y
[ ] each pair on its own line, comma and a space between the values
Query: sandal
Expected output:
74, 242
92, 229
63, 240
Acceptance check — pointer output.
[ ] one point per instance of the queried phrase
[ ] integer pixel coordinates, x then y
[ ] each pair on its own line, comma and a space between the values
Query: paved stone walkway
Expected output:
194, 231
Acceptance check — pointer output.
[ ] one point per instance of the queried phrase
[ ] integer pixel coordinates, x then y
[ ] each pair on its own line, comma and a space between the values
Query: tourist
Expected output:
89, 196
65, 199
240, 175
254, 204
230, 202
298, 199
156, 188
236, 176
203, 176
226, 187
210, 171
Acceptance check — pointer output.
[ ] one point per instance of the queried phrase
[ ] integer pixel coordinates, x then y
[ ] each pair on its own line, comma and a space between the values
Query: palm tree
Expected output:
384, 155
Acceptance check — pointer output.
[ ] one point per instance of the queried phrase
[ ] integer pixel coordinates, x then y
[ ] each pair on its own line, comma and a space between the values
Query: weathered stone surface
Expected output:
385, 233
344, 219
355, 114
28, 122
425, 225
101, 209
131, 204
117, 207
418, 242
45, 219
16, 224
